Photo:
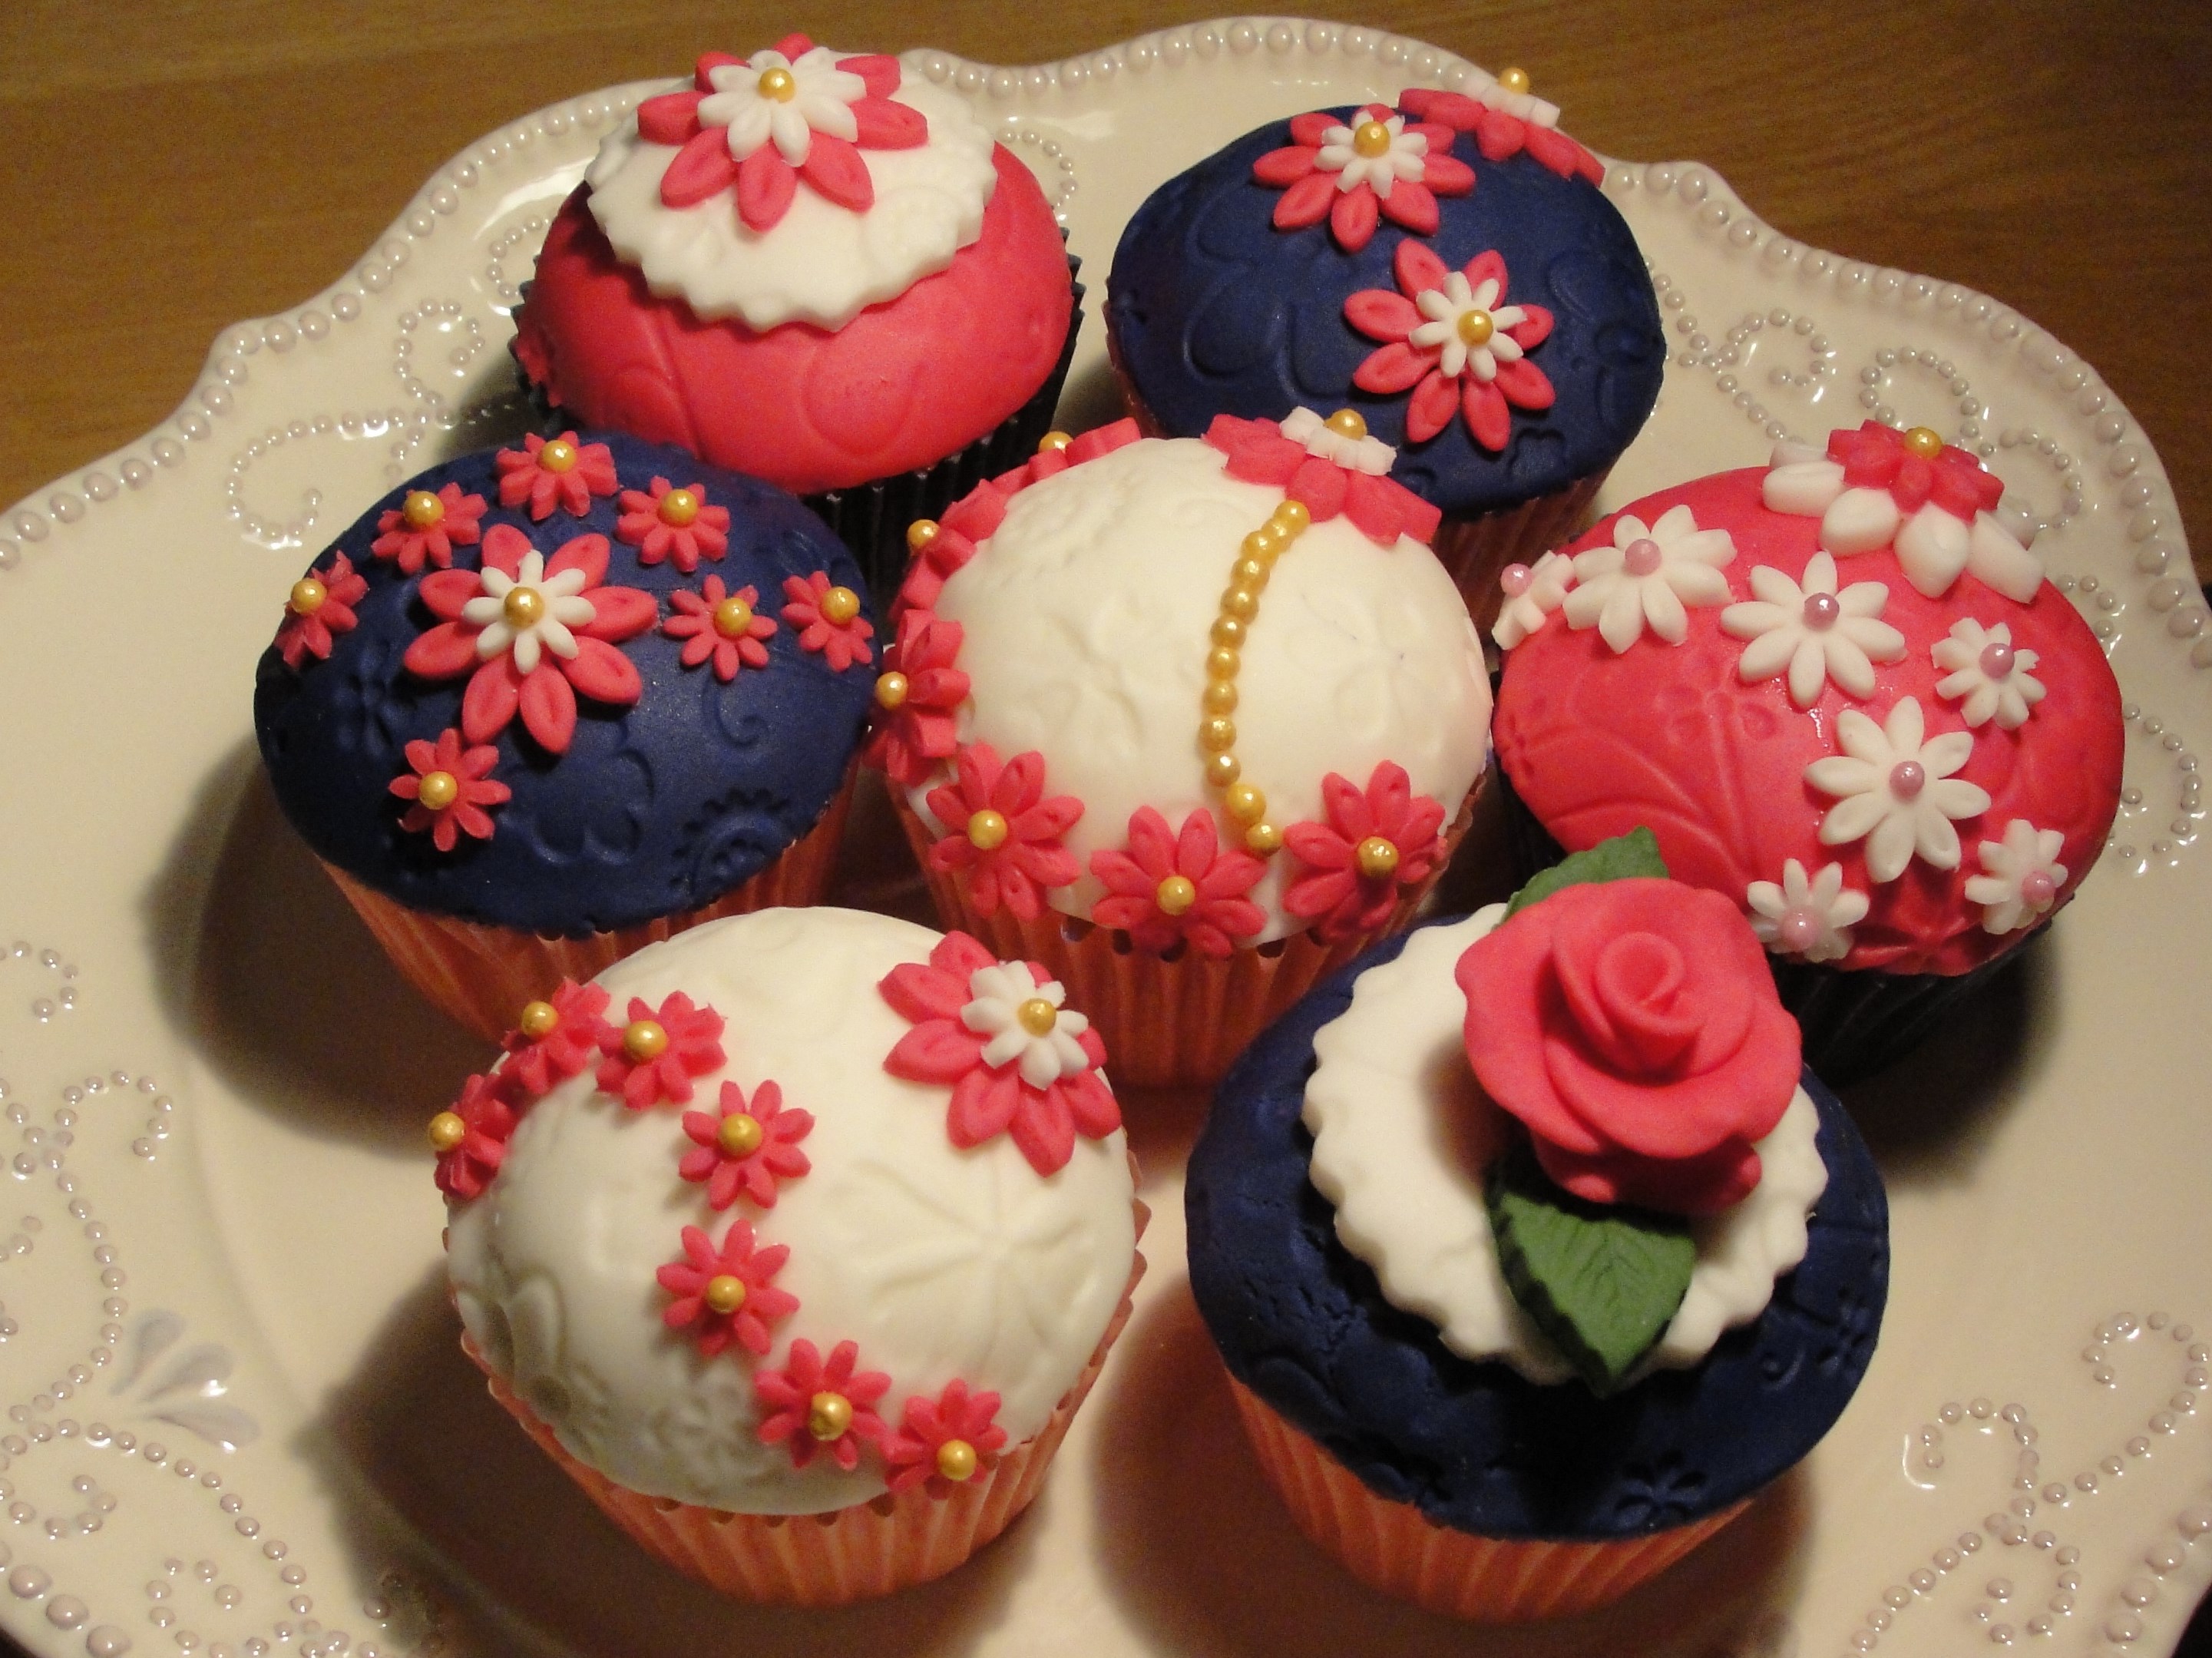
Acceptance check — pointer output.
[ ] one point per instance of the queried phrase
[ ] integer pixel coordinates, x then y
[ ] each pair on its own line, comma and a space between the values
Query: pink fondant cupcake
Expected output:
1842, 694
818, 269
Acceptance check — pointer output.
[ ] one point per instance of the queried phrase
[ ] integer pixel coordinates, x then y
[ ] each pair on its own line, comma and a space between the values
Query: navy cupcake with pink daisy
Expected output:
541, 707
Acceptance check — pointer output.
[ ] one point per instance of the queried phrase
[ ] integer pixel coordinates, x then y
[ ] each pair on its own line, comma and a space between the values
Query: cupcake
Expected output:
797, 1240
816, 268
540, 706
1532, 1253
1449, 268
1842, 694
1188, 720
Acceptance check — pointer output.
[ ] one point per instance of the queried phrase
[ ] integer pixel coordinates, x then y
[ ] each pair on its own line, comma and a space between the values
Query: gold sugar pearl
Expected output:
1513, 80
726, 1292
732, 616
1347, 423
447, 1130
828, 1415
920, 533
1241, 602
421, 509
678, 508
1223, 661
1219, 697
1377, 858
1263, 543
739, 1134
522, 606
1216, 735
1263, 839
1292, 518
1228, 631
438, 789
987, 829
644, 1040
558, 456
538, 1020
1926, 441
1475, 327
1251, 573
1370, 139
1246, 804
1037, 1016
780, 84
1175, 895
891, 689
308, 596
956, 1461
1223, 769
1052, 442
841, 605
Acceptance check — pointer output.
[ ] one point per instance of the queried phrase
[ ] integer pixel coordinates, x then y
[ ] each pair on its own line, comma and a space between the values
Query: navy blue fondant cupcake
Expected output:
540, 707
1449, 269
1532, 1253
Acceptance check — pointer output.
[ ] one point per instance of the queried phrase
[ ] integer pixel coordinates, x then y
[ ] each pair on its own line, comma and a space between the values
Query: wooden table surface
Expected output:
174, 167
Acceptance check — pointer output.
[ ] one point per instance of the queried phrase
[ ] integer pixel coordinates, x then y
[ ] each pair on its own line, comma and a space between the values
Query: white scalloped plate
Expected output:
223, 1233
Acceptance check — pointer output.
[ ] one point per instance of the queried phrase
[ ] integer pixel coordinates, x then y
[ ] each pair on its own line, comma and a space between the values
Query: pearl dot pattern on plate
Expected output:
2170, 823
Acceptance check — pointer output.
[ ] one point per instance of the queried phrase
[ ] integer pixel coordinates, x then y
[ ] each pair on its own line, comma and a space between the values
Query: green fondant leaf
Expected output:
1602, 1282
1635, 853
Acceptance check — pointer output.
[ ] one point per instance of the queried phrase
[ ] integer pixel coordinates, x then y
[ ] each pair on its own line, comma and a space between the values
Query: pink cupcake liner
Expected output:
1476, 550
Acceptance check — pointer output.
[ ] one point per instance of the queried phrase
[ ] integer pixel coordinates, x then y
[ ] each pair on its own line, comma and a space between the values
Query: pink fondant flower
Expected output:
1633, 1028
487, 1117
654, 1056
1327, 471
1169, 888
426, 528
1448, 338
745, 1147
566, 473
758, 125
1501, 134
980, 1025
530, 633
1002, 830
719, 627
813, 1404
447, 788
1876, 457
725, 1295
1377, 167
1375, 844
677, 525
829, 619
543, 1052
944, 1442
916, 695
319, 608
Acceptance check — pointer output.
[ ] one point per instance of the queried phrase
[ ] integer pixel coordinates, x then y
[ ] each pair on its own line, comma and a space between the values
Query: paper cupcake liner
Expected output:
1854, 1021
1395, 1548
1476, 550
1165, 1022
891, 1542
482, 975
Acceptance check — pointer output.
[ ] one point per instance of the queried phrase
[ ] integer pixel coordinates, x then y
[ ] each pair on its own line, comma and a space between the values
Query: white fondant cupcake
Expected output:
1190, 720
804, 1213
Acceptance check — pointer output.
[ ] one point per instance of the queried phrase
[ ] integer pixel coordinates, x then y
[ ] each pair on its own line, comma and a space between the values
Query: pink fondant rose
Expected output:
1632, 1027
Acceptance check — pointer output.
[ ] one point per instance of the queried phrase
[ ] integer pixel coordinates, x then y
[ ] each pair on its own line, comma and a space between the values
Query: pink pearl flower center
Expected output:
1907, 778
2037, 888
1515, 579
1997, 660
1641, 557
1822, 610
1800, 930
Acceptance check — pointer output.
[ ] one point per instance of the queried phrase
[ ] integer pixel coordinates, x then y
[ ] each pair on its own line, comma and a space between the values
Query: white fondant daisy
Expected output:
819, 99
1982, 668
1532, 592
1404, 159
1365, 455
1809, 919
1647, 576
1895, 791
997, 996
529, 611
1814, 632
1446, 307
2022, 877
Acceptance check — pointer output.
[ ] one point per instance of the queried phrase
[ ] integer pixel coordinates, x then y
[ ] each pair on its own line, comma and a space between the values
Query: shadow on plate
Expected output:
264, 968
415, 1425
1207, 1561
